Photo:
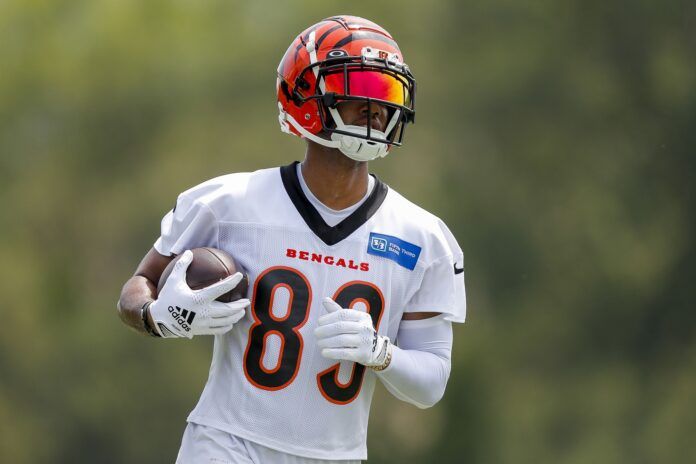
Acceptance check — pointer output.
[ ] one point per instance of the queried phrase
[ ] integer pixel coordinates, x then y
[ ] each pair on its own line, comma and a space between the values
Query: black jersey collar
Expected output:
330, 235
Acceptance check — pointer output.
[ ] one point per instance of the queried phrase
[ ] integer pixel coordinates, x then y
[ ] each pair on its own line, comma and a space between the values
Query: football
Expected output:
209, 265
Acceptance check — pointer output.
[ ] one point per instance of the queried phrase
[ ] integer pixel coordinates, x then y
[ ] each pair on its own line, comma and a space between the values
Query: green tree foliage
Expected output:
556, 138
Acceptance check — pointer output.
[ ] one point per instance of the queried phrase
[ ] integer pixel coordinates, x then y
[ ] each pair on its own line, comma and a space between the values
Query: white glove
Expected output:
179, 311
348, 335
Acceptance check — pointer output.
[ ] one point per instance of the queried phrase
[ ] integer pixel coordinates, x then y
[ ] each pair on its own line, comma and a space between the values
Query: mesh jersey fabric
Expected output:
268, 382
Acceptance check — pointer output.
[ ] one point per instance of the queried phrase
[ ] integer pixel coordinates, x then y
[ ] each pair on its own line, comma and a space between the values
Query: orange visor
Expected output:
369, 84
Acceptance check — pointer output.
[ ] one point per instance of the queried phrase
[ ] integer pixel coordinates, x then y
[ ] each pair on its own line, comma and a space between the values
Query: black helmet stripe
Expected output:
303, 43
358, 35
321, 39
325, 34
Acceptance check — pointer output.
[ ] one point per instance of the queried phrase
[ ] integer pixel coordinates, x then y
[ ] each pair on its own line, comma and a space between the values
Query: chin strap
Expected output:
358, 148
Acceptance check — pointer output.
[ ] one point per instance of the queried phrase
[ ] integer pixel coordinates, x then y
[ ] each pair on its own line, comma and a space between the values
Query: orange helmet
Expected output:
345, 58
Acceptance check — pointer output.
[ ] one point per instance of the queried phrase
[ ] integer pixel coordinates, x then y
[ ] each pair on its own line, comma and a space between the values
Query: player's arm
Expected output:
141, 289
417, 369
178, 310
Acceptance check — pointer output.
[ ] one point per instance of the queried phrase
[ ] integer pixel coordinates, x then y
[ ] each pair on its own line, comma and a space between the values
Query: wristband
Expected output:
387, 358
144, 311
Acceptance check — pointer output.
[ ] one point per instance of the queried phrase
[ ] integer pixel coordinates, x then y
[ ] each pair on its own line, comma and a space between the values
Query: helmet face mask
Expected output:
363, 66
385, 84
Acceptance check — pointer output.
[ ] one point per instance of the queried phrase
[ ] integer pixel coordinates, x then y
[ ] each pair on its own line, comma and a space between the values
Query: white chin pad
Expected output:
361, 149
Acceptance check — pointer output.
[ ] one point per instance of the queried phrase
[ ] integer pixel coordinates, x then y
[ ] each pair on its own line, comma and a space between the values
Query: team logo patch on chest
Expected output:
400, 251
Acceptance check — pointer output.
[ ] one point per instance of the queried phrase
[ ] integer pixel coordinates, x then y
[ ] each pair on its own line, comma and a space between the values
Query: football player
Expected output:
350, 283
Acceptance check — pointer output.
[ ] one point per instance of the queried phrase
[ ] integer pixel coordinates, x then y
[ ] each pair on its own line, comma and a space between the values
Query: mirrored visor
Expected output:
371, 84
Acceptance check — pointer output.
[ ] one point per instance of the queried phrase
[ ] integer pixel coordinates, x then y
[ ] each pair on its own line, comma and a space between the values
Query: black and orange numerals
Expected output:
347, 296
286, 327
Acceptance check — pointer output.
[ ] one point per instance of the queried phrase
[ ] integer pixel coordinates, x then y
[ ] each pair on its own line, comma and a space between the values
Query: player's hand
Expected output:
348, 335
180, 311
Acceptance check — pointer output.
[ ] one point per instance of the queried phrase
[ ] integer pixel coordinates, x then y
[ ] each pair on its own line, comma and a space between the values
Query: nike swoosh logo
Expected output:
458, 270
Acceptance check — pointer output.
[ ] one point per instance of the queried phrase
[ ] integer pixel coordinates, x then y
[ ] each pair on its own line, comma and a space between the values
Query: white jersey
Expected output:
268, 381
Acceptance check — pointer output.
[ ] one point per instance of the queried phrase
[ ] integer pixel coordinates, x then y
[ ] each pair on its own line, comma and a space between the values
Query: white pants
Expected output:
207, 445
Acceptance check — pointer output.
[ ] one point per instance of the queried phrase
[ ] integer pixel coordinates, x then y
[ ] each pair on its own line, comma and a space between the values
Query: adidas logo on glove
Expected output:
183, 317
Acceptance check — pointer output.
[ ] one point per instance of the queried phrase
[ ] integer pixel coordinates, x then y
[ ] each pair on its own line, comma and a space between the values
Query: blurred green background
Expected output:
555, 138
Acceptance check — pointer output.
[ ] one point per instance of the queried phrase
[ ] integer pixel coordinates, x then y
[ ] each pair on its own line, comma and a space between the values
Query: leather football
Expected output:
209, 265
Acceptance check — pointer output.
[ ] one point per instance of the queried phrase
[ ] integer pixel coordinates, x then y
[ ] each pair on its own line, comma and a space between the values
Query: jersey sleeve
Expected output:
442, 287
190, 224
